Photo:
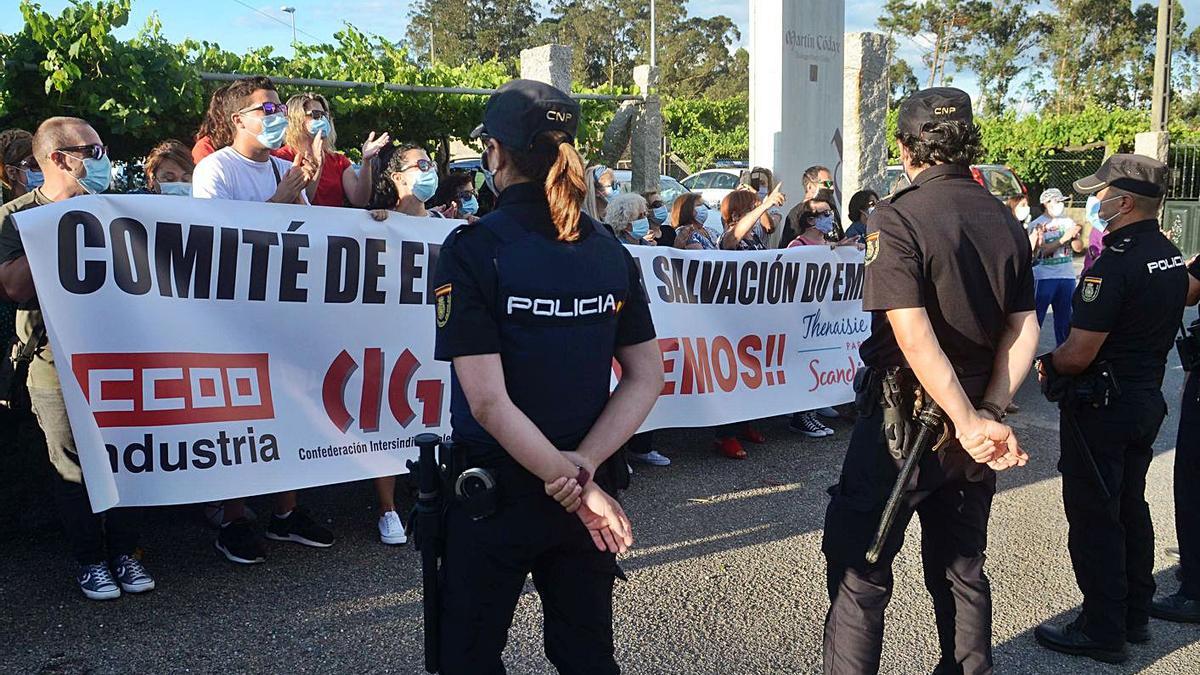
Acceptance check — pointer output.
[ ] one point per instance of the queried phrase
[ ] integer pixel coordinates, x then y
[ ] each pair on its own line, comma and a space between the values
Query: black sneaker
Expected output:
97, 583
131, 575
300, 528
239, 543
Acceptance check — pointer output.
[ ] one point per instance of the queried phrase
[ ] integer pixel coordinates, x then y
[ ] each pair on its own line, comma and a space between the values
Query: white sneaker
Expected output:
654, 458
828, 413
391, 530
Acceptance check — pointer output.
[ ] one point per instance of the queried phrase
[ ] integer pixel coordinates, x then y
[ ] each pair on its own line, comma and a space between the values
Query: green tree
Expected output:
466, 31
1003, 44
944, 27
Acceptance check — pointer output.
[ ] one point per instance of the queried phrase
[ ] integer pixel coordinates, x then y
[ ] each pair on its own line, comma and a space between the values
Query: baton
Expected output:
1084, 449
931, 421
428, 514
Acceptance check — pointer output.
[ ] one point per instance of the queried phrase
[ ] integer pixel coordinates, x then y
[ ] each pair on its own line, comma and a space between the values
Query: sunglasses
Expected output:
316, 114
819, 214
422, 164
268, 108
463, 196
29, 164
827, 184
92, 151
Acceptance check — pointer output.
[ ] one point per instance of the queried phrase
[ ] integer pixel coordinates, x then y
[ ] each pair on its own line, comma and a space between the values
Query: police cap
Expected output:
1138, 174
522, 109
930, 106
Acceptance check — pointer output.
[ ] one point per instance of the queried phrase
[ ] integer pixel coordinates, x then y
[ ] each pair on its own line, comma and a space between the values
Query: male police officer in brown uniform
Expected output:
950, 288
1107, 378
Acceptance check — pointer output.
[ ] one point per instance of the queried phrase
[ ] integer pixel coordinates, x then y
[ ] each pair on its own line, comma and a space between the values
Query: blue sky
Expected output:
240, 24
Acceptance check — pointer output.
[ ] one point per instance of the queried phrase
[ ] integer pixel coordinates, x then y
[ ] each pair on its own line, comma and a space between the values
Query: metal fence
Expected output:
1184, 161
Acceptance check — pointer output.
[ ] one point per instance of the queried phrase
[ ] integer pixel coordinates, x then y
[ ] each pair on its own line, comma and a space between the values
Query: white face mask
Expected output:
1022, 212
1055, 209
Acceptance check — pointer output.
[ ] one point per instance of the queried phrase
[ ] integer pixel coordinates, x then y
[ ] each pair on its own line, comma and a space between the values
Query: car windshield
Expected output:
669, 188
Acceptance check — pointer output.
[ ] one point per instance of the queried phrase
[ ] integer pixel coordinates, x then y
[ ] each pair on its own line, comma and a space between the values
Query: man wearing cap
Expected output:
1055, 239
950, 288
1107, 378
533, 303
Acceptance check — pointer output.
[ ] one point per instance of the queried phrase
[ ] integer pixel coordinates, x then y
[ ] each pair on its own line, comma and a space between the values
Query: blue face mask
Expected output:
33, 179
660, 214
469, 206
824, 224
489, 176
320, 126
701, 214
98, 176
274, 128
425, 185
640, 227
1093, 213
176, 189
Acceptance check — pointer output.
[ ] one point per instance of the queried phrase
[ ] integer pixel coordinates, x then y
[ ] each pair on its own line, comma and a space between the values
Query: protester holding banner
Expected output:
247, 171
74, 162
169, 169
456, 196
688, 214
214, 132
530, 404
406, 179
311, 133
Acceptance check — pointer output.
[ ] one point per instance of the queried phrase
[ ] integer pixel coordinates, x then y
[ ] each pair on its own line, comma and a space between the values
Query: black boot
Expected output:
1070, 639
1138, 635
1177, 607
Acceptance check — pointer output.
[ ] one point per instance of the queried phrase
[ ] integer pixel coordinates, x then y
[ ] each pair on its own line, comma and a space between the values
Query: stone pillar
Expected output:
550, 64
1153, 144
864, 115
646, 140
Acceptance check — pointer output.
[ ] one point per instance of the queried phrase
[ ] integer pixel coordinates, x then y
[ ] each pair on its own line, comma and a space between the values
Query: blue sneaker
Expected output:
97, 583
131, 575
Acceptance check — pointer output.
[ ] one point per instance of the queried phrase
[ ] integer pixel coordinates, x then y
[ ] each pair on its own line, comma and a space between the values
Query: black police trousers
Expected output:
952, 496
1187, 488
1111, 541
485, 566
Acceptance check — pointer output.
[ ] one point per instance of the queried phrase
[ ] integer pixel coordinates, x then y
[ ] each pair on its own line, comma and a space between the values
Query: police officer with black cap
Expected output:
1107, 378
950, 288
533, 303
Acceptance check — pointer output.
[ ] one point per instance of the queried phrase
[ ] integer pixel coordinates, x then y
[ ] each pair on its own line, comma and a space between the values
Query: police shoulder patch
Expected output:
872, 247
1090, 289
442, 293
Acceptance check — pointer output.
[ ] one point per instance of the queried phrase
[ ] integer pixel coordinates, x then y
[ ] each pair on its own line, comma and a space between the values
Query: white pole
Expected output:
653, 60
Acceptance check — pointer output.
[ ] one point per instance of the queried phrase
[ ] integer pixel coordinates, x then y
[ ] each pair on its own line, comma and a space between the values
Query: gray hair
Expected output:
624, 208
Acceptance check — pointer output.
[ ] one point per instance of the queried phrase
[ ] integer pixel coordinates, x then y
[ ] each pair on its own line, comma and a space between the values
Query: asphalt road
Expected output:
726, 576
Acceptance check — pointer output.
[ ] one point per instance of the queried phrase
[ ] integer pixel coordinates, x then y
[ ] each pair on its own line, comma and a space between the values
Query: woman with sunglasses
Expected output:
311, 133
861, 206
21, 172
456, 197
406, 179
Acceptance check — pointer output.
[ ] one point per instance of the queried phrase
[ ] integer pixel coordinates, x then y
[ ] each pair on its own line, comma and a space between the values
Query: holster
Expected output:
1187, 345
1096, 387
900, 396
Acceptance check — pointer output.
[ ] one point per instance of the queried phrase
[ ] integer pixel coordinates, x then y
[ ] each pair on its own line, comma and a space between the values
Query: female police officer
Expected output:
533, 303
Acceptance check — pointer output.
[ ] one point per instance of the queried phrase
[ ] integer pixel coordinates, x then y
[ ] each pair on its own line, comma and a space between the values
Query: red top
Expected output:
329, 185
203, 148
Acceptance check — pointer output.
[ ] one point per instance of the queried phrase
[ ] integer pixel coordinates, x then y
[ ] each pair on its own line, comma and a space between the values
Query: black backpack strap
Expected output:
275, 169
30, 346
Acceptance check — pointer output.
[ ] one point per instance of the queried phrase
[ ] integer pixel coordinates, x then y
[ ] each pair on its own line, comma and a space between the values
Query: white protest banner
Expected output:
217, 349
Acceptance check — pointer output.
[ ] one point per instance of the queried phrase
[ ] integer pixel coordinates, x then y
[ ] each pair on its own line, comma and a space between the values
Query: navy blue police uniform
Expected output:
555, 312
1184, 605
947, 245
1135, 292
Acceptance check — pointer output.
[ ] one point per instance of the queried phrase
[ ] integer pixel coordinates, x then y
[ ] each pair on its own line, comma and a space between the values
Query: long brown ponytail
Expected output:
555, 162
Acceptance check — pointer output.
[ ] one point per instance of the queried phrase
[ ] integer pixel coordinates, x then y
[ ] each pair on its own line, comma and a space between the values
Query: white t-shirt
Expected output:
226, 174
1058, 264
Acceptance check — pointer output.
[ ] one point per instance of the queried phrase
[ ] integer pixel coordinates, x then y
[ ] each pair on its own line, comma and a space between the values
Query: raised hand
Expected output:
373, 145
776, 198
605, 520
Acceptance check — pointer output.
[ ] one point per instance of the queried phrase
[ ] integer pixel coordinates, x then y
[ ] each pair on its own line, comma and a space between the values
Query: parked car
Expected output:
668, 190
1000, 180
713, 184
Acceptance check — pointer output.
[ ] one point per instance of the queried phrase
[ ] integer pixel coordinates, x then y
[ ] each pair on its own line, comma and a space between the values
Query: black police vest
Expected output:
557, 305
